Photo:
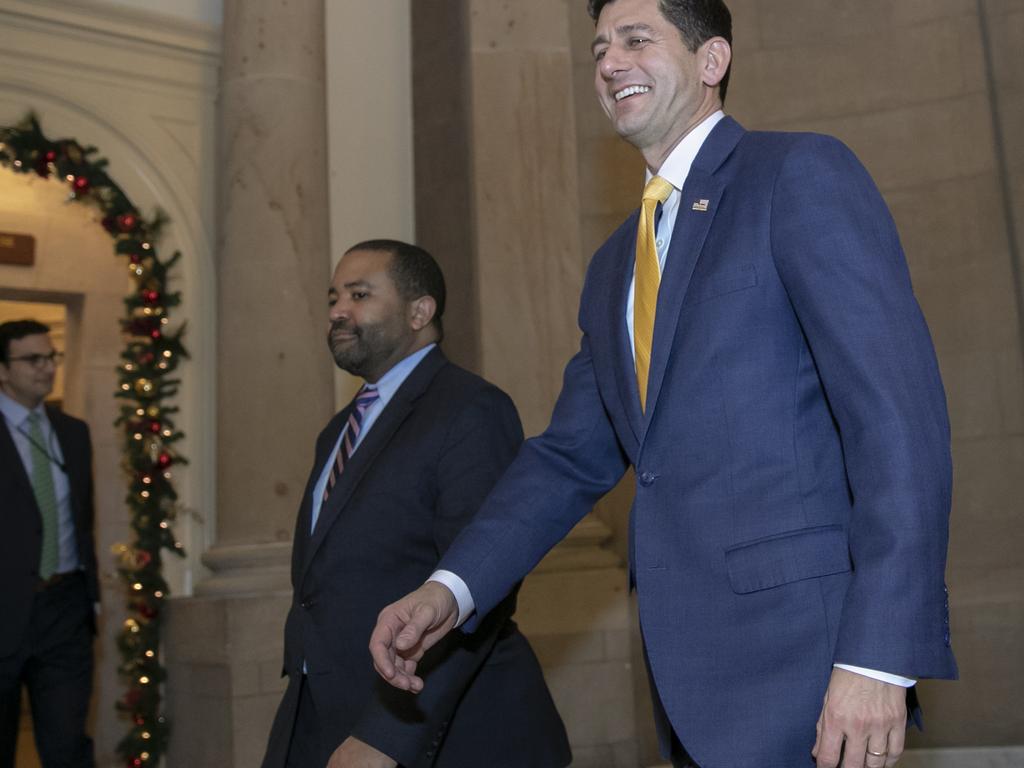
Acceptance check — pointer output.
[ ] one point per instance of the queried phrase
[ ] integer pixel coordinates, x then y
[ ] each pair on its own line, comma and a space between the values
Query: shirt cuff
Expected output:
885, 677
459, 589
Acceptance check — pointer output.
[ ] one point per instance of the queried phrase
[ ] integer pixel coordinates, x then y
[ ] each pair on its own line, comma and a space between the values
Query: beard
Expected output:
361, 349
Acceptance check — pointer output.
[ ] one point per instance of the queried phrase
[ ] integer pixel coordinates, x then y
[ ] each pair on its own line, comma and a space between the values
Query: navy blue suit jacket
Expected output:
792, 468
21, 543
418, 477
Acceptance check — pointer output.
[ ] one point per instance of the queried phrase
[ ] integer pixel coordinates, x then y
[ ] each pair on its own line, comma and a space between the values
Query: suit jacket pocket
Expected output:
793, 556
723, 282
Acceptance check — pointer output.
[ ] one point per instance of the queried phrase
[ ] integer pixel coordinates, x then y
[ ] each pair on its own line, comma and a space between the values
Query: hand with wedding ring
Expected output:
863, 723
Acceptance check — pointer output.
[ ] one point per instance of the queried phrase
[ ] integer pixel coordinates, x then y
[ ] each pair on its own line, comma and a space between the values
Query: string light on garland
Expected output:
151, 354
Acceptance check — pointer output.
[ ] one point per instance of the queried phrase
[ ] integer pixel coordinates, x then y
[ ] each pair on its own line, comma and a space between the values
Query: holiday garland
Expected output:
150, 356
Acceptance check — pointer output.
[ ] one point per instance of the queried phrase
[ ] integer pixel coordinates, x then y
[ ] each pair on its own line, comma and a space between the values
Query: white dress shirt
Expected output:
674, 170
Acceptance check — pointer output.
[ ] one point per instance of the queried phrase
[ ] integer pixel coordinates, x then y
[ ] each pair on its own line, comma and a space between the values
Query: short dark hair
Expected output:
18, 329
697, 21
415, 272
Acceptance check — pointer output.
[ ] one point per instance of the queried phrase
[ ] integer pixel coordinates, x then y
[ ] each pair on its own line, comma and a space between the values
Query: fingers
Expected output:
829, 748
896, 741
423, 618
876, 751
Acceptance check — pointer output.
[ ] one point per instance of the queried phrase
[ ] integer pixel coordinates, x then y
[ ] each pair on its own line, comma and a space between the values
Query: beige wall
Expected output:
906, 86
371, 191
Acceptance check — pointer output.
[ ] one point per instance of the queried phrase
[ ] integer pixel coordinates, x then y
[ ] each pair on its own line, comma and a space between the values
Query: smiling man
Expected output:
752, 348
397, 474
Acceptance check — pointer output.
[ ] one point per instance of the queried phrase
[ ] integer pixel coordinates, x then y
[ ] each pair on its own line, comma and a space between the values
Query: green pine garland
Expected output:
150, 356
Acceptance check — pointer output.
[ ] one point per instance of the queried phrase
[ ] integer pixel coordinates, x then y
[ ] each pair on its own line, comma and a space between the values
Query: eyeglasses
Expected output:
38, 361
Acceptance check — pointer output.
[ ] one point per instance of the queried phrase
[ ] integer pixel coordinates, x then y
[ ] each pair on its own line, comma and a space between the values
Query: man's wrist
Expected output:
885, 677
463, 599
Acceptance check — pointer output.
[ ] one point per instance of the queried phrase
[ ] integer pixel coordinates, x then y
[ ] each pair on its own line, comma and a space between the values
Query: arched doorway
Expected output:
75, 269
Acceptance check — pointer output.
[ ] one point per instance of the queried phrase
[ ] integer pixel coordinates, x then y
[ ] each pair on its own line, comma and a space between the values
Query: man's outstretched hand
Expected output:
407, 629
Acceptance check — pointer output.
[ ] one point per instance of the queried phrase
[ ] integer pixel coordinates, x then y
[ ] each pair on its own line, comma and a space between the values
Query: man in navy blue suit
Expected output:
397, 474
753, 349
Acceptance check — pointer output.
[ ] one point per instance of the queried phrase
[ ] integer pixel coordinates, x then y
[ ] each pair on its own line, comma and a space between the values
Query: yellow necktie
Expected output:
648, 278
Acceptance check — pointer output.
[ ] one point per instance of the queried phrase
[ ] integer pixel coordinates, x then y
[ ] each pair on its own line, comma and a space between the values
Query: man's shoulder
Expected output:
61, 420
763, 146
454, 381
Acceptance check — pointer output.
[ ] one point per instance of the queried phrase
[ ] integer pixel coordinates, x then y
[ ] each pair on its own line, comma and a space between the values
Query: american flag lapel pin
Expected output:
701, 205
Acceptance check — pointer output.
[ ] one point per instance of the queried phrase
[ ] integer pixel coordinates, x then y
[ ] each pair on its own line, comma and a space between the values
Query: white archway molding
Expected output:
152, 116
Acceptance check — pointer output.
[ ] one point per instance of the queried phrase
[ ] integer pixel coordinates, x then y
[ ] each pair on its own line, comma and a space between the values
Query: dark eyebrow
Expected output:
624, 31
358, 284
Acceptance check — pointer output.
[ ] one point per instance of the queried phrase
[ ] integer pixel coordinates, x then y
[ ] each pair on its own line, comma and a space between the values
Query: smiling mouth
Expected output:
631, 90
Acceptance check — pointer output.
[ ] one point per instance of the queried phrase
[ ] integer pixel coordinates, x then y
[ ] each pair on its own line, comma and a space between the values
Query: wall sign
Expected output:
19, 250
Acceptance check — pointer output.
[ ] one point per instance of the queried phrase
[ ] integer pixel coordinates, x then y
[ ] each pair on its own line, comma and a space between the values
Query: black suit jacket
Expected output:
417, 478
22, 527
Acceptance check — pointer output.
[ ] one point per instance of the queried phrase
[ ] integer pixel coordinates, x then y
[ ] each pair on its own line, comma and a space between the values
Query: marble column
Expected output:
274, 378
498, 203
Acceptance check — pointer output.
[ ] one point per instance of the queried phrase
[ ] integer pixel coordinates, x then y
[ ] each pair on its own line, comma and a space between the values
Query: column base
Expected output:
224, 650
575, 610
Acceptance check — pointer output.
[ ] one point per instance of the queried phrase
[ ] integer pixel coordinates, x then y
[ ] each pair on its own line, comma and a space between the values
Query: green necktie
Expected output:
46, 497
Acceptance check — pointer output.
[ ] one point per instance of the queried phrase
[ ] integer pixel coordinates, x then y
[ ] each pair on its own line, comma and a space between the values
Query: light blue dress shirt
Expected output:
16, 415
386, 386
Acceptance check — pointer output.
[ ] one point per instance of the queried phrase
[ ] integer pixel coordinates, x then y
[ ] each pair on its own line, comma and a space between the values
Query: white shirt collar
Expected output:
676, 167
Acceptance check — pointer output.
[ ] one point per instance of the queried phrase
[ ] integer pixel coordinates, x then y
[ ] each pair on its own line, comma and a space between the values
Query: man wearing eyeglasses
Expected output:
47, 555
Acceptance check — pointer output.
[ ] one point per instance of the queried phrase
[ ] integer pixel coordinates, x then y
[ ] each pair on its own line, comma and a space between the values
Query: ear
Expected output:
421, 312
716, 57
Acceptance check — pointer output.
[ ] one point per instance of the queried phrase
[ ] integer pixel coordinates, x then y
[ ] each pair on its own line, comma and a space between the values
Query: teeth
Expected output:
630, 91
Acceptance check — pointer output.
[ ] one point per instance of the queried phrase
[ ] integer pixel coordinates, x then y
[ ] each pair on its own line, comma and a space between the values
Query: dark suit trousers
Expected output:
306, 748
55, 664
679, 755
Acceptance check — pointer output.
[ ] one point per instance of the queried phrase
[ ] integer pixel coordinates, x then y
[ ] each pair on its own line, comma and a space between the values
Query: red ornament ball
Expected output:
154, 427
164, 460
135, 258
155, 333
50, 156
146, 358
126, 222
80, 184
150, 297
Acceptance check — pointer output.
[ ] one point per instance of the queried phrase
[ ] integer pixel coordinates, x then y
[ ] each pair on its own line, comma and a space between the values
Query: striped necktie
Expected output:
366, 397
46, 497
648, 278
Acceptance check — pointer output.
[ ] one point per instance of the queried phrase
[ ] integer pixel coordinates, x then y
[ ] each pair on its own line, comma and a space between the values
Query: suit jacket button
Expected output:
647, 478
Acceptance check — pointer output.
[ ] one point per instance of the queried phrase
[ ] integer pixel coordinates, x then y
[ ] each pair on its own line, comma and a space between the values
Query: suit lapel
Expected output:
380, 434
9, 457
324, 451
701, 195
624, 366
688, 236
